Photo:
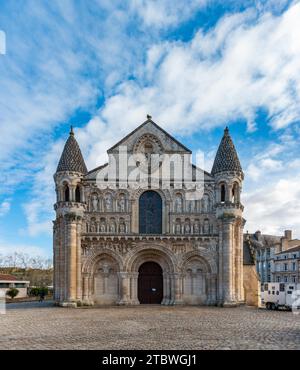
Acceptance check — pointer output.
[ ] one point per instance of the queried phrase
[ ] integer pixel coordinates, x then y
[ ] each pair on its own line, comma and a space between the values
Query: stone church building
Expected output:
115, 243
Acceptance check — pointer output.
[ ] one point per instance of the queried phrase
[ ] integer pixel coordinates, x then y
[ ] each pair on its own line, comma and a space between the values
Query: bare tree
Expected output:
25, 261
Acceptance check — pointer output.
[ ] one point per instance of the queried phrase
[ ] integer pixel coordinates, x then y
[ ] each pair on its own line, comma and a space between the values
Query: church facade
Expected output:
131, 237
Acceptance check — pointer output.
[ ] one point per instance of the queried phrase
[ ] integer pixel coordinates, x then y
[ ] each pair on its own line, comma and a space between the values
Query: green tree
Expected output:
12, 292
36, 291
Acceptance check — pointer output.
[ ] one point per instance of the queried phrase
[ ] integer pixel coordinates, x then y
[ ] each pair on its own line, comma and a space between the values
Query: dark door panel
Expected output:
150, 283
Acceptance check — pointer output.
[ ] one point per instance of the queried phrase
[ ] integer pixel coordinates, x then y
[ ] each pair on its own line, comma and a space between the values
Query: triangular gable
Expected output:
149, 126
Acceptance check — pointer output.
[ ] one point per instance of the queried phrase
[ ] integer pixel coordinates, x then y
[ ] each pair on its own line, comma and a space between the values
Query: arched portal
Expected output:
150, 213
150, 283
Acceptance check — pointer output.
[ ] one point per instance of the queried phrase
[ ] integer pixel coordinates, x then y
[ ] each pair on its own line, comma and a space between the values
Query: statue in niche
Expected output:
122, 228
93, 227
178, 204
112, 227
108, 203
177, 228
187, 228
102, 227
196, 228
191, 206
95, 203
121, 204
206, 227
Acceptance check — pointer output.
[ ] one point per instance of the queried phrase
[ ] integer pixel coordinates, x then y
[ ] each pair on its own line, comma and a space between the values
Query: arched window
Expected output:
150, 213
67, 193
77, 194
223, 193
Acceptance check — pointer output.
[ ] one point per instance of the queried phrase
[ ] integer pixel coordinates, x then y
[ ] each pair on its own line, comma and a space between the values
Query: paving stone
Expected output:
36, 325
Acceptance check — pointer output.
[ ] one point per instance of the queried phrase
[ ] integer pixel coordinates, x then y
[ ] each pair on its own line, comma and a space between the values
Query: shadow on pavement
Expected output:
31, 305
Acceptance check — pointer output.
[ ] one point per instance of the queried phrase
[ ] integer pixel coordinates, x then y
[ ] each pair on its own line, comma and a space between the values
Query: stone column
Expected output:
55, 262
229, 193
193, 276
134, 217
220, 265
170, 296
241, 263
208, 287
124, 299
166, 289
78, 264
127, 227
65, 279
72, 254
72, 193
60, 265
134, 288
178, 289
237, 268
85, 292
213, 289
227, 229
167, 225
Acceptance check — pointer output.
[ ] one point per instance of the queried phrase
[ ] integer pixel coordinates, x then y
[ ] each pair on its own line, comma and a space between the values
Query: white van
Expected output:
279, 295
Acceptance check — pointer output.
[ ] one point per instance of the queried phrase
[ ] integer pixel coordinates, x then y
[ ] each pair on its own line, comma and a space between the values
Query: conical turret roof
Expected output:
71, 158
226, 157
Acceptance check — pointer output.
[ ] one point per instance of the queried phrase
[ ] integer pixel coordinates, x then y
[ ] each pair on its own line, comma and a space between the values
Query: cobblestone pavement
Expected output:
36, 325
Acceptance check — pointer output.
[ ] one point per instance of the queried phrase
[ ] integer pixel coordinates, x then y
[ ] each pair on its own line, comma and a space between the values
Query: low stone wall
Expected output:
251, 286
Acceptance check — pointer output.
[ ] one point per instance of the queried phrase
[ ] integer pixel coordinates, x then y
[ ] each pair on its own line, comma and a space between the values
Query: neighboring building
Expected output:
264, 247
10, 281
287, 266
277, 257
122, 245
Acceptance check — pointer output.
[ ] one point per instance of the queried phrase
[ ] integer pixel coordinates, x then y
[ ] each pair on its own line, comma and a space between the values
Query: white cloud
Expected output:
241, 65
8, 249
165, 13
5, 207
274, 207
39, 209
248, 61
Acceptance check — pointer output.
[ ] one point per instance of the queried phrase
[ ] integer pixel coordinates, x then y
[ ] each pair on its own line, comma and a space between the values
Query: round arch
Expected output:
198, 279
92, 261
102, 274
202, 256
158, 254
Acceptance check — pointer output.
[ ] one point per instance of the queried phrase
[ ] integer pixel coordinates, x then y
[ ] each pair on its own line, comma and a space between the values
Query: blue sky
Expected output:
101, 66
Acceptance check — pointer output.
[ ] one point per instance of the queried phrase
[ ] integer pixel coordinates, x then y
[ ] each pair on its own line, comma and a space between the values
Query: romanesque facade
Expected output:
118, 243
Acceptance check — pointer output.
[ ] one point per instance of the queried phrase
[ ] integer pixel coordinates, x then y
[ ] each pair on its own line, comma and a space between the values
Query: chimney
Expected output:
285, 240
288, 234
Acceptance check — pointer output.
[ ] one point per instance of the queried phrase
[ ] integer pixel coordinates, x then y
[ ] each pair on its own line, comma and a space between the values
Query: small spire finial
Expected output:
148, 116
71, 131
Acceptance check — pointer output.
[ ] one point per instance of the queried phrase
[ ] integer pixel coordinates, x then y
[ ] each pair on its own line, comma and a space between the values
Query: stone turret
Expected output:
71, 159
229, 175
226, 158
70, 206
70, 171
